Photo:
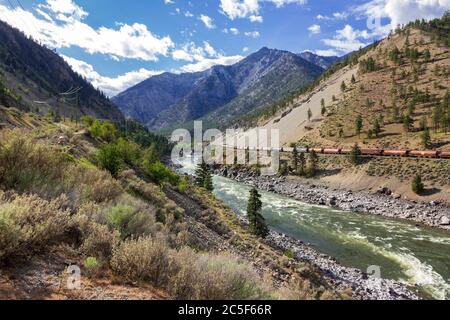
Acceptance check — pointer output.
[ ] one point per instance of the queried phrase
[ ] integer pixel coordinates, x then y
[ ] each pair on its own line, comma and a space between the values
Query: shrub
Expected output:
91, 263
97, 240
160, 174
29, 223
29, 166
144, 259
110, 158
213, 277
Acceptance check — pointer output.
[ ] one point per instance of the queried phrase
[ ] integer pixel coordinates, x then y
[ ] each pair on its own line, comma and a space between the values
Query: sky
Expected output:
117, 44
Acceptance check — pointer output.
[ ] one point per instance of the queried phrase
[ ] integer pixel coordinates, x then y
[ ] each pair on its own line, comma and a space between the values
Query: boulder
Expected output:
445, 221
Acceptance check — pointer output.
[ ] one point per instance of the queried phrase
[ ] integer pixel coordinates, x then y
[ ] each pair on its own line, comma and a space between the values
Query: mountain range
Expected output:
35, 78
223, 93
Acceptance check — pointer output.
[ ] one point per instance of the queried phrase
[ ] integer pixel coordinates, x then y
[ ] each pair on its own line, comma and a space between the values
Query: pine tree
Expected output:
324, 108
295, 159
309, 115
376, 128
208, 184
353, 79
313, 163
426, 139
358, 125
343, 86
355, 154
417, 185
256, 220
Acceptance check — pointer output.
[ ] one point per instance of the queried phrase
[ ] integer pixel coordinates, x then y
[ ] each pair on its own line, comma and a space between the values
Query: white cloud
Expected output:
234, 31
326, 53
110, 86
190, 52
403, 11
254, 18
169, 2
245, 49
66, 28
314, 29
208, 21
208, 63
253, 34
250, 9
348, 39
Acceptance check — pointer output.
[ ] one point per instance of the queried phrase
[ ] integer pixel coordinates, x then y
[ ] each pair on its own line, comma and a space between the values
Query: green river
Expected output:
417, 256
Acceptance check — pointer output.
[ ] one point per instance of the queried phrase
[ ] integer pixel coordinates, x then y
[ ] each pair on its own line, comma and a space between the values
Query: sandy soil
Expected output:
294, 125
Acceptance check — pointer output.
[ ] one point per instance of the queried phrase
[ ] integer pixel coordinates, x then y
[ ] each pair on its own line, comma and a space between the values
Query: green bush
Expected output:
109, 158
144, 259
160, 174
29, 223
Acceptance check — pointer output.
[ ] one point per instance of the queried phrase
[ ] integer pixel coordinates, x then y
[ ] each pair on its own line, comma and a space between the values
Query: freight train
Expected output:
368, 152
376, 152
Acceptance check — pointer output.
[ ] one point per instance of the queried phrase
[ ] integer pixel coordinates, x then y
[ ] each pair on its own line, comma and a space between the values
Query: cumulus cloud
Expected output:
314, 29
208, 21
62, 26
190, 52
253, 34
403, 11
250, 9
348, 39
206, 64
110, 86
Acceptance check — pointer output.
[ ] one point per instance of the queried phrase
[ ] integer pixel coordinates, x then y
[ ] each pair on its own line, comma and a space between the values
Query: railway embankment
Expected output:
434, 214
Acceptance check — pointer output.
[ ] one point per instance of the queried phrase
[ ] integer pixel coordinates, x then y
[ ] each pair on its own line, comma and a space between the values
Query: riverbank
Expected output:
383, 203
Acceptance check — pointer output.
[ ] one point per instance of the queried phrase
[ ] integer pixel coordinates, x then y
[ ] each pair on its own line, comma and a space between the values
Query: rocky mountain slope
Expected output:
35, 78
323, 62
219, 94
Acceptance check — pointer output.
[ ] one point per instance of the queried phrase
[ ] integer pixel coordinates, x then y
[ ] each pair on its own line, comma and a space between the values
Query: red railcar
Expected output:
317, 150
332, 151
396, 153
423, 154
444, 154
346, 151
372, 152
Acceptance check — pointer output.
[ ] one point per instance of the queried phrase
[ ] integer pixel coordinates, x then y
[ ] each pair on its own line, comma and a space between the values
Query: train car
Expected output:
372, 152
301, 150
423, 154
444, 154
317, 150
288, 150
332, 151
396, 153
346, 151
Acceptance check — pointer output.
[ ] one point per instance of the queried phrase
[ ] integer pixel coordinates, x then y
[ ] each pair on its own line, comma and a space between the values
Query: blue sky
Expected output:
116, 44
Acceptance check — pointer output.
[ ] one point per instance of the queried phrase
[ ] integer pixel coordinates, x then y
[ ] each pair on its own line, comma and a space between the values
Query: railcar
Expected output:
444, 154
372, 152
423, 154
396, 153
332, 151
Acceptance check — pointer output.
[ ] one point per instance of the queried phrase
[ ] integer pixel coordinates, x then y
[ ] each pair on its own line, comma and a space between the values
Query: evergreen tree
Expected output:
417, 185
256, 220
426, 139
313, 163
376, 128
208, 184
407, 123
343, 86
295, 159
309, 115
355, 154
353, 79
324, 109
358, 125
